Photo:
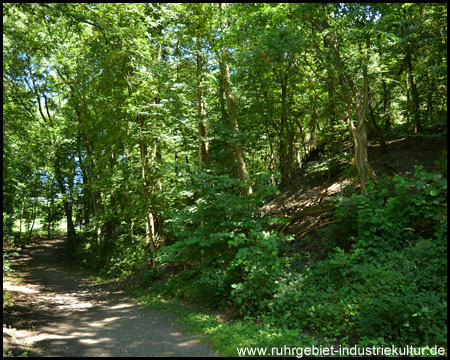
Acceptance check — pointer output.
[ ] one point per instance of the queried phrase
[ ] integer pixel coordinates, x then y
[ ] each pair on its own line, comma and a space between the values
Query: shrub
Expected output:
6, 262
390, 284
116, 257
393, 213
228, 255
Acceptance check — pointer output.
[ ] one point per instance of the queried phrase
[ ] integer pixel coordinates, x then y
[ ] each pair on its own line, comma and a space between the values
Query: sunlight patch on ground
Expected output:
44, 336
104, 322
94, 341
337, 186
67, 302
121, 306
23, 289
188, 343
29, 338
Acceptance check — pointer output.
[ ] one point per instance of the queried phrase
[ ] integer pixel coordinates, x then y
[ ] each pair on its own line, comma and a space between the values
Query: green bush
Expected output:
6, 263
116, 257
391, 284
393, 213
229, 257
126, 257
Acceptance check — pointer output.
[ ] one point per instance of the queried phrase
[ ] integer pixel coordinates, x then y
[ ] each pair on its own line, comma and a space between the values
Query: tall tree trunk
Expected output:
327, 43
414, 92
271, 155
96, 198
203, 145
430, 98
21, 218
298, 152
149, 223
71, 233
49, 214
284, 156
408, 98
225, 122
86, 191
34, 219
312, 125
386, 106
232, 115
156, 219
358, 132
359, 135
376, 129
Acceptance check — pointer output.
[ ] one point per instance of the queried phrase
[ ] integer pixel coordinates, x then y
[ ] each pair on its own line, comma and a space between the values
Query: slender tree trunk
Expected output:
132, 228
284, 157
226, 122
232, 115
312, 126
414, 93
386, 105
361, 159
21, 218
34, 219
96, 198
375, 126
430, 98
329, 41
156, 220
203, 145
86, 195
49, 215
149, 224
271, 155
298, 152
353, 95
359, 134
203, 153
408, 98
71, 233
291, 147
235, 139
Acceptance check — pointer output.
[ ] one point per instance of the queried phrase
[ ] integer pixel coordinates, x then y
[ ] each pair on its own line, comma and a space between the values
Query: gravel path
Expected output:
61, 313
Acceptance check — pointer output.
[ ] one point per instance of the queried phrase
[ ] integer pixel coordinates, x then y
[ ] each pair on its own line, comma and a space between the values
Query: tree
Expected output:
123, 115
232, 115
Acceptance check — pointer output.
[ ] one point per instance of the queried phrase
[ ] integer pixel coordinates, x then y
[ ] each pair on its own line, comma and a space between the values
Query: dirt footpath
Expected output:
58, 312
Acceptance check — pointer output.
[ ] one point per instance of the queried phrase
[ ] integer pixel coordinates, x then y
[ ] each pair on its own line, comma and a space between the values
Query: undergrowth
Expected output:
384, 282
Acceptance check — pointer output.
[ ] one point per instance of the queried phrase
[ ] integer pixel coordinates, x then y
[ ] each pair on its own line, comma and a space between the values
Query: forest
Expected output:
283, 165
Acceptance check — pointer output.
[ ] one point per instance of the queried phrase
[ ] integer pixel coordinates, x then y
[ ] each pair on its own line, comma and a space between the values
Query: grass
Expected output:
7, 298
225, 336
40, 227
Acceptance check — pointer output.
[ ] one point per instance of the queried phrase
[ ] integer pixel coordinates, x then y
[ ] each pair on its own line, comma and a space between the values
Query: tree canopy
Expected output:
157, 130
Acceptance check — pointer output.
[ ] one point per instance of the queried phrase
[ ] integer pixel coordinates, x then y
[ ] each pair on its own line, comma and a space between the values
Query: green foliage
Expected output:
228, 255
125, 258
102, 104
52, 214
394, 213
224, 336
6, 263
391, 283
114, 258
441, 163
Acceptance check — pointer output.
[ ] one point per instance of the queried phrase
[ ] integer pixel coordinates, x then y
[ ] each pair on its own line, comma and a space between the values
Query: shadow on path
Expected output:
65, 314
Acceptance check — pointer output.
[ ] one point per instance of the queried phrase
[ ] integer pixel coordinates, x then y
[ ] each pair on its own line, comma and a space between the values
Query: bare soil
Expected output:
310, 186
